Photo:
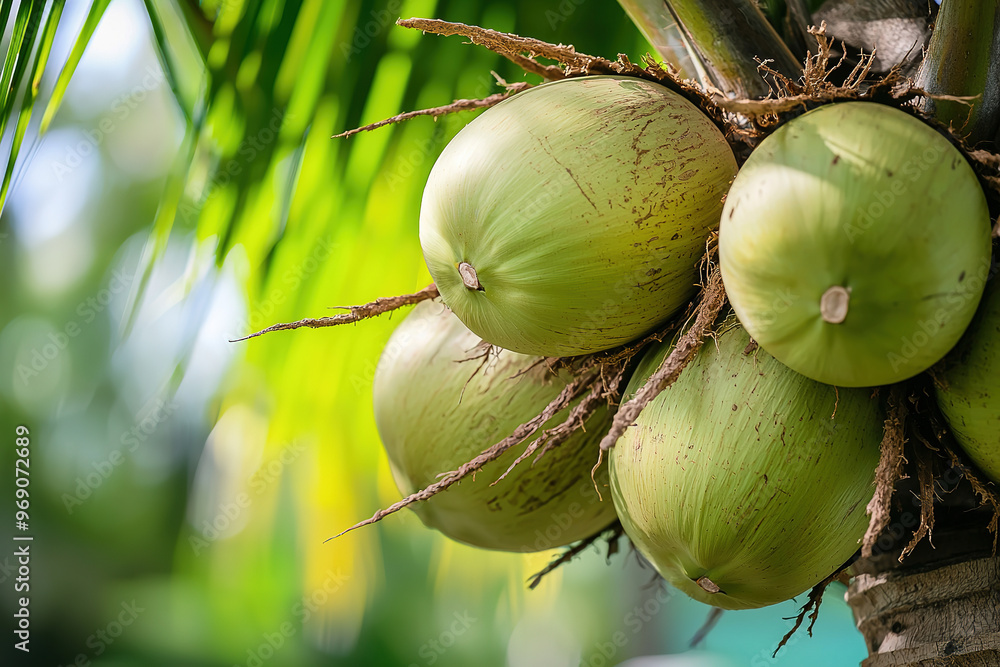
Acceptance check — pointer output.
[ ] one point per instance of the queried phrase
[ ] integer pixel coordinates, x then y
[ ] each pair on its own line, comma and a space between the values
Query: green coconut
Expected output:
570, 218
435, 409
967, 387
851, 243
745, 483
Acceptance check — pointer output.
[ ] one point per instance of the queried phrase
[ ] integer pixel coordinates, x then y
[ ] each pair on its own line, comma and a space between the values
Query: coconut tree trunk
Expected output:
658, 25
727, 36
940, 606
895, 31
963, 59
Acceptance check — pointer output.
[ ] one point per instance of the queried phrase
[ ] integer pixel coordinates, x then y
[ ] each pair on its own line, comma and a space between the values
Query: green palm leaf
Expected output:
89, 26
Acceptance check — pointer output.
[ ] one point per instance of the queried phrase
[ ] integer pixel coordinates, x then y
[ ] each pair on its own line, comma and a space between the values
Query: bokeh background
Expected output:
183, 487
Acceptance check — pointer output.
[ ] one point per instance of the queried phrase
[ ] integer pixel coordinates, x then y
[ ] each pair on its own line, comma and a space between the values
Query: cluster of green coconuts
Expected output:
854, 245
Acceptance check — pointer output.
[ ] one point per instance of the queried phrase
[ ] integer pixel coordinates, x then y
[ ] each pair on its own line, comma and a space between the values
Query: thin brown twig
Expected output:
512, 46
983, 491
355, 313
557, 434
614, 531
986, 158
569, 393
454, 107
814, 89
551, 438
888, 472
550, 364
573, 63
713, 618
925, 478
811, 607
711, 300
618, 356
480, 352
610, 390
754, 108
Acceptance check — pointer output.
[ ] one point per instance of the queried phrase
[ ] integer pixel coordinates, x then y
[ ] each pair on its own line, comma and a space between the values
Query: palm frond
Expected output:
83, 39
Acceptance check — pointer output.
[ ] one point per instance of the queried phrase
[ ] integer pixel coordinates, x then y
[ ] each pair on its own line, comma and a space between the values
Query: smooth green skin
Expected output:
435, 412
737, 472
967, 390
862, 196
584, 206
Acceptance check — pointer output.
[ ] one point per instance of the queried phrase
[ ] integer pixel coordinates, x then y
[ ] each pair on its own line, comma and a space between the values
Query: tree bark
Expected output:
897, 31
940, 606
728, 35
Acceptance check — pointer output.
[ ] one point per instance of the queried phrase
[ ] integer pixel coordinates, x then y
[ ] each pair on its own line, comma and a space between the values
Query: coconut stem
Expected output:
355, 314
454, 107
712, 298
834, 304
469, 277
708, 585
